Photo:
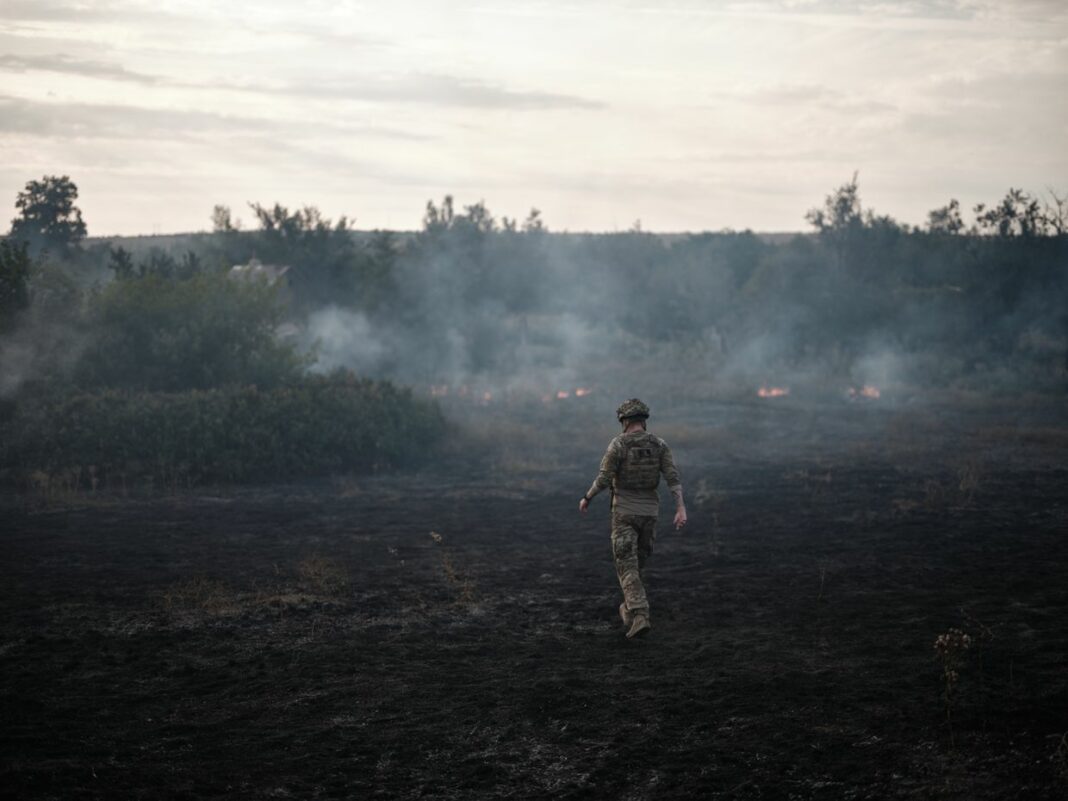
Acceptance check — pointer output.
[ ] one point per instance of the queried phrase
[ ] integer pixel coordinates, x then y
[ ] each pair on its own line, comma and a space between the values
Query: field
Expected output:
453, 633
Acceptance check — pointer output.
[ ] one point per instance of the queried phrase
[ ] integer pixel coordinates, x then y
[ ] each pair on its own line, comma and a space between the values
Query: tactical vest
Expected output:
639, 468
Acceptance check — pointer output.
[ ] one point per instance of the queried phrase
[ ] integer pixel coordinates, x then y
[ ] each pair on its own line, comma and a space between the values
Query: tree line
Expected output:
476, 296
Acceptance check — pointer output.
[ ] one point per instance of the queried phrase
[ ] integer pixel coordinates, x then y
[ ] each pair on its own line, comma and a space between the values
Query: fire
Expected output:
866, 392
564, 394
773, 392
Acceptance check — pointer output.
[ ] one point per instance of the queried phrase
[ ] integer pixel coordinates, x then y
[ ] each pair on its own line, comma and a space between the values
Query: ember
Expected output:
563, 393
773, 392
866, 392
582, 392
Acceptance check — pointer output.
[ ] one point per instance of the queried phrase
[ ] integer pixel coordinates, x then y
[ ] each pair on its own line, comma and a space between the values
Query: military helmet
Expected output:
632, 408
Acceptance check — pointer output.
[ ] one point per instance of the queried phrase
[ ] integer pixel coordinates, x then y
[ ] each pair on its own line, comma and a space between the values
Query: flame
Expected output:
582, 392
866, 392
773, 392
563, 393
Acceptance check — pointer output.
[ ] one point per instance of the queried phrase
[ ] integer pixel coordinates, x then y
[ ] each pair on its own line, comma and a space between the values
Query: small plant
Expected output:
823, 579
951, 648
969, 475
462, 586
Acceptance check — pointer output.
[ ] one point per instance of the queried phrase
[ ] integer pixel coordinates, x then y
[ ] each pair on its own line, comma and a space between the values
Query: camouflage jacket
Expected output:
631, 467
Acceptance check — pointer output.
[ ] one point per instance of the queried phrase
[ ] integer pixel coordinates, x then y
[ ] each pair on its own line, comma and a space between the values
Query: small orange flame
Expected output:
773, 392
866, 392
582, 392
563, 393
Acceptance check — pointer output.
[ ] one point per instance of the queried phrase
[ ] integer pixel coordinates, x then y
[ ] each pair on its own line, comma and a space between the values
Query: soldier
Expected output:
631, 467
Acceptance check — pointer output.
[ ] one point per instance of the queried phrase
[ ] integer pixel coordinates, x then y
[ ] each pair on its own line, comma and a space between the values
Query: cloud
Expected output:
113, 121
923, 9
425, 89
813, 95
73, 66
87, 120
46, 11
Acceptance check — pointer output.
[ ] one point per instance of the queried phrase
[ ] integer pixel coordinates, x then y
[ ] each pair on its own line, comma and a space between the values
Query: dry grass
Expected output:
1060, 757
202, 594
323, 575
461, 584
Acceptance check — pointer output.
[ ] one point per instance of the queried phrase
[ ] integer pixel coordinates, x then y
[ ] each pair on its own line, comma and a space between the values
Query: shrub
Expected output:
315, 426
160, 334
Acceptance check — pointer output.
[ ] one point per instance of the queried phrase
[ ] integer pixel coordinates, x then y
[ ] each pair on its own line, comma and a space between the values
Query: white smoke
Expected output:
343, 338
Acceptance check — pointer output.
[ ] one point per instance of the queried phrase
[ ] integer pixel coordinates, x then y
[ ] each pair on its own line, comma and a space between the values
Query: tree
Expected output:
121, 264
321, 254
15, 267
839, 220
1055, 214
946, 220
533, 224
1018, 214
222, 221
48, 218
841, 210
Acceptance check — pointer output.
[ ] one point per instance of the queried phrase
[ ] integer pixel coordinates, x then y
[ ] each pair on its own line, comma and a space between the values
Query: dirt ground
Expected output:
454, 634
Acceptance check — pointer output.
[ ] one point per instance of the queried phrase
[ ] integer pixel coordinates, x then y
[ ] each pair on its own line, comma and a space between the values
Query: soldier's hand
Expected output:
680, 519
584, 505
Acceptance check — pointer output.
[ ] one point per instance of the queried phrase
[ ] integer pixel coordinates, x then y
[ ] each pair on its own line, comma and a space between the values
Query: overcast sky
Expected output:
686, 115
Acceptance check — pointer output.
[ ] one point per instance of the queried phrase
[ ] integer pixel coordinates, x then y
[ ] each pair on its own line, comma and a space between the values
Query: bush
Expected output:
159, 334
316, 426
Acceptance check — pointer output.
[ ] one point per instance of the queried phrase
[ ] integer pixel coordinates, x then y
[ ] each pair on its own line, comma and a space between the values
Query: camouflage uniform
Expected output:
631, 467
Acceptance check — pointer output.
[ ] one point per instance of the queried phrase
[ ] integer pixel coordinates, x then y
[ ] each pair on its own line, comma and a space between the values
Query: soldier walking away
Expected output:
631, 468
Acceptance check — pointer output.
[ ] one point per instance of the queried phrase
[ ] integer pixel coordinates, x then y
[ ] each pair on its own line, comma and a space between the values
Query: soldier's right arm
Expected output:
609, 468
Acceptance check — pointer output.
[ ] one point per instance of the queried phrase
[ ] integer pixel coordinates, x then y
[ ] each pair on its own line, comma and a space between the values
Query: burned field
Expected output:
453, 633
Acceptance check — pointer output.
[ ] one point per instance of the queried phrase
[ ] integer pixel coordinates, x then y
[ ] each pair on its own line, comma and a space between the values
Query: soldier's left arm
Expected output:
609, 467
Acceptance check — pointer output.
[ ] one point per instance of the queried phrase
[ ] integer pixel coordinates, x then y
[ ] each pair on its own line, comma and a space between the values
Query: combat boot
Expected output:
624, 613
639, 627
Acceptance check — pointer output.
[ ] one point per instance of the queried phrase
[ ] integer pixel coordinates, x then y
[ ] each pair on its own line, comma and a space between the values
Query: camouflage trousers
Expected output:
632, 544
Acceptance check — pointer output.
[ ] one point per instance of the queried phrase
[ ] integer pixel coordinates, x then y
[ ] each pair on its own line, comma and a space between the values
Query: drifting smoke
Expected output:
341, 338
40, 349
554, 316
467, 310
